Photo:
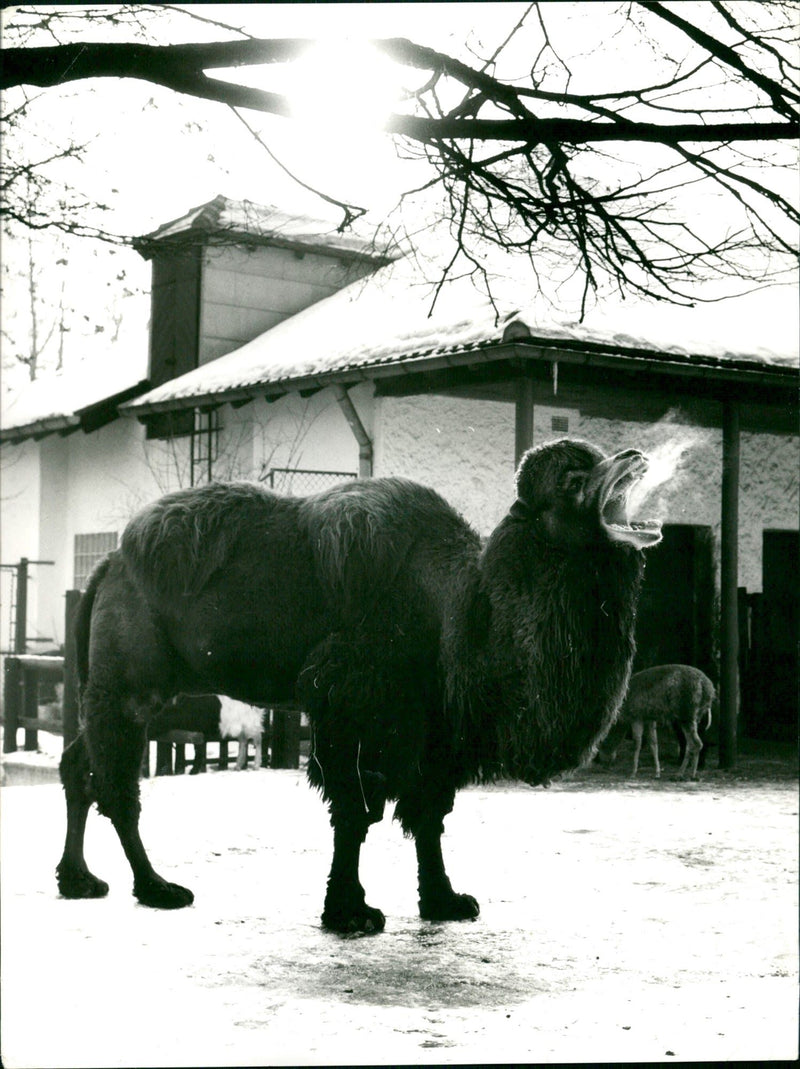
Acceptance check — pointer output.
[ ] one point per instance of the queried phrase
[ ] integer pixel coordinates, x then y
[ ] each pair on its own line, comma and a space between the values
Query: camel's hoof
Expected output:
363, 919
79, 883
162, 895
453, 908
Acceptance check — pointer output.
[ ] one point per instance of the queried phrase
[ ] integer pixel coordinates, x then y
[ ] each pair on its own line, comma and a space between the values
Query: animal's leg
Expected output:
345, 908
437, 899
74, 878
652, 740
422, 814
241, 757
637, 730
257, 750
694, 744
200, 759
357, 799
115, 743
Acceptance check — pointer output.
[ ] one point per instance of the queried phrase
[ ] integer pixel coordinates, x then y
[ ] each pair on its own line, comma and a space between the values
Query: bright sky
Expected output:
153, 155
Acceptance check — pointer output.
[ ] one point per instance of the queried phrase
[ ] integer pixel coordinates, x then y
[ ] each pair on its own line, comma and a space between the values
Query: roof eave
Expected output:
89, 418
149, 246
519, 349
39, 428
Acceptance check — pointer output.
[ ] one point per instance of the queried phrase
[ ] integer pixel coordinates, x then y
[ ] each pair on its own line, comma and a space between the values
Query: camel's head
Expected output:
580, 496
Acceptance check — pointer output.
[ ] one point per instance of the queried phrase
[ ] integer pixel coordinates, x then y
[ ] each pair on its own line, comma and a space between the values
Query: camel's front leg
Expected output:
437, 899
357, 799
421, 813
346, 909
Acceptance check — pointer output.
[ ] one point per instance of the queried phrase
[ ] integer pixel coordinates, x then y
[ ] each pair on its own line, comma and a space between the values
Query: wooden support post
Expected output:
285, 738
365, 453
30, 707
163, 758
265, 739
729, 580
200, 763
523, 418
180, 758
70, 710
745, 715
21, 612
222, 763
12, 703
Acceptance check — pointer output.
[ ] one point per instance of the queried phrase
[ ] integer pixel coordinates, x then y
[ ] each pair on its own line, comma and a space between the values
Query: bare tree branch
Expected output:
182, 68
715, 47
593, 177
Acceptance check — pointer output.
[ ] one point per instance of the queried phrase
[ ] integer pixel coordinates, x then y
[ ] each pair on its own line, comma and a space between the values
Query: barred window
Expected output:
559, 424
89, 549
301, 481
205, 445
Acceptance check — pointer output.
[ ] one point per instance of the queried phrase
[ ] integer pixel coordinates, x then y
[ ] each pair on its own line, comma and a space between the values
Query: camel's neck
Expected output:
543, 651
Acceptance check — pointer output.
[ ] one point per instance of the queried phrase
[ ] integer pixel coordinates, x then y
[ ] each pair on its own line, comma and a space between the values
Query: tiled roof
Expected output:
385, 322
67, 401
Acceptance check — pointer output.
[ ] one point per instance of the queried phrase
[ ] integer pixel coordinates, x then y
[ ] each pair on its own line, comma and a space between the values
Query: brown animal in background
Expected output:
668, 694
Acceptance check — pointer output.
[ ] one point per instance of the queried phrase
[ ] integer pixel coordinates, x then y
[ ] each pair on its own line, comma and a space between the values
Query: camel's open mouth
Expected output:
613, 481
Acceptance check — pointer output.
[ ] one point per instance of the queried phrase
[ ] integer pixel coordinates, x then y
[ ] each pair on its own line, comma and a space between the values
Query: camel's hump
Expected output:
177, 542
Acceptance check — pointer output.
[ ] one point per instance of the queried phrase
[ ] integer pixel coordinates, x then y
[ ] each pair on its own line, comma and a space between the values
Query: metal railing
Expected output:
300, 481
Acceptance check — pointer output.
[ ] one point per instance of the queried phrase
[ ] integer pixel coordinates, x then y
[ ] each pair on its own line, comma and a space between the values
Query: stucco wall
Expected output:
93, 483
769, 497
19, 525
768, 482
306, 433
54, 514
462, 448
465, 450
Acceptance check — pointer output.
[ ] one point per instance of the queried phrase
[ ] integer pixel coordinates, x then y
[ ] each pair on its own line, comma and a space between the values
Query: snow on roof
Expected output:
226, 218
386, 319
56, 402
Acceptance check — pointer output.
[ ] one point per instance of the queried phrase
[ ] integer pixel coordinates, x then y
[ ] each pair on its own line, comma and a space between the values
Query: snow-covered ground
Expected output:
619, 923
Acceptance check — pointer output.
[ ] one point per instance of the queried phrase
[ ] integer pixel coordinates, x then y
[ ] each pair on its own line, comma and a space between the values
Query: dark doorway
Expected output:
772, 670
676, 609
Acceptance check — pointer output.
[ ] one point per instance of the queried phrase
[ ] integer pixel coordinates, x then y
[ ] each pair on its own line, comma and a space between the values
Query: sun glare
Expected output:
346, 85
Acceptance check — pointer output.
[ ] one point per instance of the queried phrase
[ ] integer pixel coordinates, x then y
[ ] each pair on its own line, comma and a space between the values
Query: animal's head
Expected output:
581, 496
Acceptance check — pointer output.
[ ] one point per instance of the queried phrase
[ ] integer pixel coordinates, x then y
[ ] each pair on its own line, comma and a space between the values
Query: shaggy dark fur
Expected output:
425, 661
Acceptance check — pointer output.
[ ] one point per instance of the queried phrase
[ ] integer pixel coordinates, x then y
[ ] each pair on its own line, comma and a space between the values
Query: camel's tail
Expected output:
83, 618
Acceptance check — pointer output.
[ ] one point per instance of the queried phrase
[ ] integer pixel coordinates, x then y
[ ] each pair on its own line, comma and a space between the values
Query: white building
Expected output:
286, 352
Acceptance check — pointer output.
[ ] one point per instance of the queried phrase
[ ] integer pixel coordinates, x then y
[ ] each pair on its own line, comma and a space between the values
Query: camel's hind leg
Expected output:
115, 741
73, 875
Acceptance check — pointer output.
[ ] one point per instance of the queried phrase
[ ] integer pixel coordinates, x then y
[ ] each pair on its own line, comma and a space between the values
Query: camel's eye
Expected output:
575, 485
